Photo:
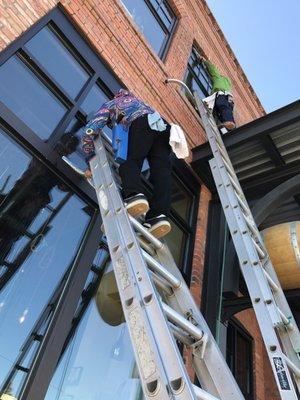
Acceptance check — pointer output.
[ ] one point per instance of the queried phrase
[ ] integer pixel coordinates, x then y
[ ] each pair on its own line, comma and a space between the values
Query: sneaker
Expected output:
229, 125
158, 226
136, 205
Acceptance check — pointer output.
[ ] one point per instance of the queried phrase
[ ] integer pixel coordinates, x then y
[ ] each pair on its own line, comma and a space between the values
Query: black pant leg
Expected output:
159, 159
139, 144
224, 108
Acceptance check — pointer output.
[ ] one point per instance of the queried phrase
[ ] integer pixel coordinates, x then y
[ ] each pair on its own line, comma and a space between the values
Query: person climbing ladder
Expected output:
221, 99
148, 137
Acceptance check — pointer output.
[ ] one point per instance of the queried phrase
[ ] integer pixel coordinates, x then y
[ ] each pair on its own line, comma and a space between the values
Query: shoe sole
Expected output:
137, 208
160, 229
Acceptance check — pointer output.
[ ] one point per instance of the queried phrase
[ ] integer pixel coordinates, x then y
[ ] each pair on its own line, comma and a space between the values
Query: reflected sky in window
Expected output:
28, 98
42, 224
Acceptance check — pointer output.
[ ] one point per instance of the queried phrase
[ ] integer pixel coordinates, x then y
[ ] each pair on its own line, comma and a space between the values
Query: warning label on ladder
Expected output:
281, 374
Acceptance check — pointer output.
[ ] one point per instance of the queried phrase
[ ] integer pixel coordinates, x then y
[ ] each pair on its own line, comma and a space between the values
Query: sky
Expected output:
265, 37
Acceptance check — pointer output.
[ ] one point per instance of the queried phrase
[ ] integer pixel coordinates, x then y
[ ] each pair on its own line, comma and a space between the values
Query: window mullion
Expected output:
31, 62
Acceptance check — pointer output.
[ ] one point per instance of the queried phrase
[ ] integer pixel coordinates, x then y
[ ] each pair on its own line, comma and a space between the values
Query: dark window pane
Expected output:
41, 227
76, 128
146, 22
94, 100
99, 362
194, 85
197, 78
23, 93
58, 61
181, 200
239, 358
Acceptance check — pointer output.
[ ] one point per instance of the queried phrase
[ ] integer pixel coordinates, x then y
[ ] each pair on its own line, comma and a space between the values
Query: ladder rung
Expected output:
161, 283
182, 322
145, 245
252, 228
180, 335
285, 319
292, 366
144, 231
224, 155
157, 267
236, 187
244, 206
203, 395
273, 285
259, 250
23, 369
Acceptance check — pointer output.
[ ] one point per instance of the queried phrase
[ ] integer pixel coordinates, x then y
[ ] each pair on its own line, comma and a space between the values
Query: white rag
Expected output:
210, 100
178, 142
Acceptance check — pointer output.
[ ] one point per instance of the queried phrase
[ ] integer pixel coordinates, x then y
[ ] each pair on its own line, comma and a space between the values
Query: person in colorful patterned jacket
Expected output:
148, 137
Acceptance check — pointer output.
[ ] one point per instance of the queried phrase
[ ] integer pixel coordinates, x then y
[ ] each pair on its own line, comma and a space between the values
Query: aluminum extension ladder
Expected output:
278, 327
157, 304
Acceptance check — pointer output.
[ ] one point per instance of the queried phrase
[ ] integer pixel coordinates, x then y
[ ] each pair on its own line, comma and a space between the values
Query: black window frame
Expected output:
169, 31
235, 328
60, 324
201, 70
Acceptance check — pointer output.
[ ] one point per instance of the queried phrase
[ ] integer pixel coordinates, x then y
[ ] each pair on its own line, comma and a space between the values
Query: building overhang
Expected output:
264, 152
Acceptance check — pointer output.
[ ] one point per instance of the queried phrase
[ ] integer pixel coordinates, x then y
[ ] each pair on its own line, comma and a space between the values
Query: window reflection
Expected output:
155, 21
181, 200
48, 49
24, 94
197, 79
94, 100
99, 362
41, 227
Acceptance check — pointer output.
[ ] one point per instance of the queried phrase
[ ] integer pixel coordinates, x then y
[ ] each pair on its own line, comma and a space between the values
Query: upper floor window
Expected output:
197, 78
155, 19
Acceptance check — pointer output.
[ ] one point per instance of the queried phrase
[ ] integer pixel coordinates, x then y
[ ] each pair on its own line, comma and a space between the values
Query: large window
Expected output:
42, 224
155, 19
197, 78
240, 359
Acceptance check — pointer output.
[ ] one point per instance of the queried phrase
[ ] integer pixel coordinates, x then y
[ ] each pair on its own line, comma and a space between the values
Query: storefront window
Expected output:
99, 362
41, 227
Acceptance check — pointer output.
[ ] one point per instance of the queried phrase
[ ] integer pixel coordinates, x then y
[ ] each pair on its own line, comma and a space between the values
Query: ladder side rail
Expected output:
157, 356
260, 292
209, 364
289, 334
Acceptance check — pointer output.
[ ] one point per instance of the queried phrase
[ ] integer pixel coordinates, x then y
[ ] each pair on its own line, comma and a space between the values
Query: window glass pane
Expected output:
194, 85
163, 11
176, 240
58, 61
99, 362
239, 359
181, 200
76, 128
146, 22
23, 93
41, 227
94, 100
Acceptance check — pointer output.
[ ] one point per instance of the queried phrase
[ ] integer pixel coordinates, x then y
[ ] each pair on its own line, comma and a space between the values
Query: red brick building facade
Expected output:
115, 37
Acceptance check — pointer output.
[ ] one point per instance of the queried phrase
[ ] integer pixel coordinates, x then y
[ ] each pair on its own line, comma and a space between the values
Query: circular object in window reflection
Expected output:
108, 300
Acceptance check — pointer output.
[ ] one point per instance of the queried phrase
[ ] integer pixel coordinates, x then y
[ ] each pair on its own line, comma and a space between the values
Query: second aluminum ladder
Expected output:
277, 325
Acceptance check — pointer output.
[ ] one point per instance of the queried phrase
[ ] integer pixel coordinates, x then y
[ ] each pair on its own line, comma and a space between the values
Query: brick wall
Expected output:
114, 36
